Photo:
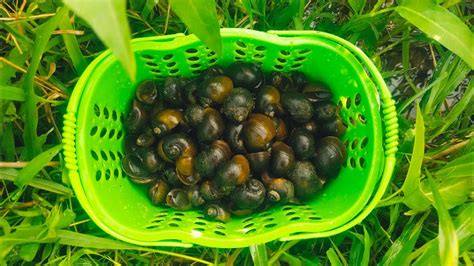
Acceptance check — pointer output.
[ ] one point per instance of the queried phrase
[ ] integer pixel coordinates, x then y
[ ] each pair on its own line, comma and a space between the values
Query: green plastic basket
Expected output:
93, 137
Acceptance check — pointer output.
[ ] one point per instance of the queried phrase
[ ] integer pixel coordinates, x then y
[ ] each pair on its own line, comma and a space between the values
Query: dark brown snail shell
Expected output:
171, 91
245, 75
212, 126
207, 161
146, 138
298, 107
281, 81
213, 71
134, 167
258, 132
174, 146
332, 128
147, 92
268, 101
232, 173
299, 80
213, 90
280, 128
130, 144
166, 120
305, 180
238, 104
234, 137
280, 190
171, 177
249, 195
259, 161
209, 191
217, 212
178, 199
158, 191
185, 171
324, 111
189, 92
317, 91
330, 156
137, 118
303, 143
151, 160
282, 160
194, 115
195, 196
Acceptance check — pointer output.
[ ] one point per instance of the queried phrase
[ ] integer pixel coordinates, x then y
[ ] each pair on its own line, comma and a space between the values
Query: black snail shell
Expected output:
146, 138
166, 120
330, 156
324, 111
311, 127
174, 146
268, 101
215, 211
282, 160
299, 80
158, 191
238, 104
245, 75
194, 115
297, 106
147, 92
249, 195
195, 196
303, 143
332, 128
208, 160
151, 160
233, 136
178, 199
259, 161
213, 90
305, 180
232, 173
212, 126
281, 81
171, 91
130, 144
137, 118
171, 177
134, 167
317, 91
209, 191
280, 190
189, 92
185, 171
258, 132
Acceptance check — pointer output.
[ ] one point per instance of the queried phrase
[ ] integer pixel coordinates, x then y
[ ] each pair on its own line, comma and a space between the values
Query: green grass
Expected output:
425, 218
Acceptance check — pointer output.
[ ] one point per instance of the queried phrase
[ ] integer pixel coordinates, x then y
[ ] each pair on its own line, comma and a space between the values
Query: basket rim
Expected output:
389, 116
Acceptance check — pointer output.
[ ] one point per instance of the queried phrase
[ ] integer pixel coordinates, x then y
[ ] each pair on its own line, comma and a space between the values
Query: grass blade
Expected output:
30, 114
413, 197
448, 241
333, 258
201, 18
108, 20
34, 166
259, 254
11, 93
441, 25
398, 253
72, 47
11, 174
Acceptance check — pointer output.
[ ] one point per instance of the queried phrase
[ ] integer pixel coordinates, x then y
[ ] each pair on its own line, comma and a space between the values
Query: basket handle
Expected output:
388, 104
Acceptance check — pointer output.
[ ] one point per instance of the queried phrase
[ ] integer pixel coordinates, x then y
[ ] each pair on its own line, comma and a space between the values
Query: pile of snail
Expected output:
233, 141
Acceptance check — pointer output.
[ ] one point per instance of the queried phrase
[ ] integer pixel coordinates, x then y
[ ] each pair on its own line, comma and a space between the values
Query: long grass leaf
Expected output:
200, 17
441, 25
448, 241
259, 254
72, 47
11, 175
108, 20
30, 114
35, 165
11, 93
413, 197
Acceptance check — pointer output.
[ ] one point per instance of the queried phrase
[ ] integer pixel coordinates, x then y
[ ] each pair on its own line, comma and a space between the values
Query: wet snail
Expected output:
233, 141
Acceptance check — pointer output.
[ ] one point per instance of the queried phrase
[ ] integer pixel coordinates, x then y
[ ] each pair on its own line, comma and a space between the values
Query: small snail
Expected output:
249, 195
305, 180
158, 191
282, 160
146, 138
317, 91
332, 128
281, 81
258, 132
137, 118
234, 172
174, 146
171, 91
238, 104
259, 161
212, 126
151, 160
234, 137
303, 143
185, 171
217, 212
268, 101
324, 111
208, 160
134, 167
147, 92
280, 190
194, 115
178, 199
297, 106
166, 120
330, 156
209, 191
280, 128
245, 75
299, 80
213, 90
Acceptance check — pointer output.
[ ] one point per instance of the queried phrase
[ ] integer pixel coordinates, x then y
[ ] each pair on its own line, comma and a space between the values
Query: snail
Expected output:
303, 143
324, 111
174, 146
268, 101
208, 160
215, 211
137, 118
147, 92
146, 138
151, 160
334, 127
233, 136
194, 115
282, 159
185, 171
158, 191
213, 90
238, 104
317, 91
134, 167
280, 190
211, 127
280, 128
299, 80
298, 107
166, 120
232, 173
178, 199
249, 195
245, 75
258, 132
330, 156
259, 161
281, 81
305, 180
209, 191
171, 91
